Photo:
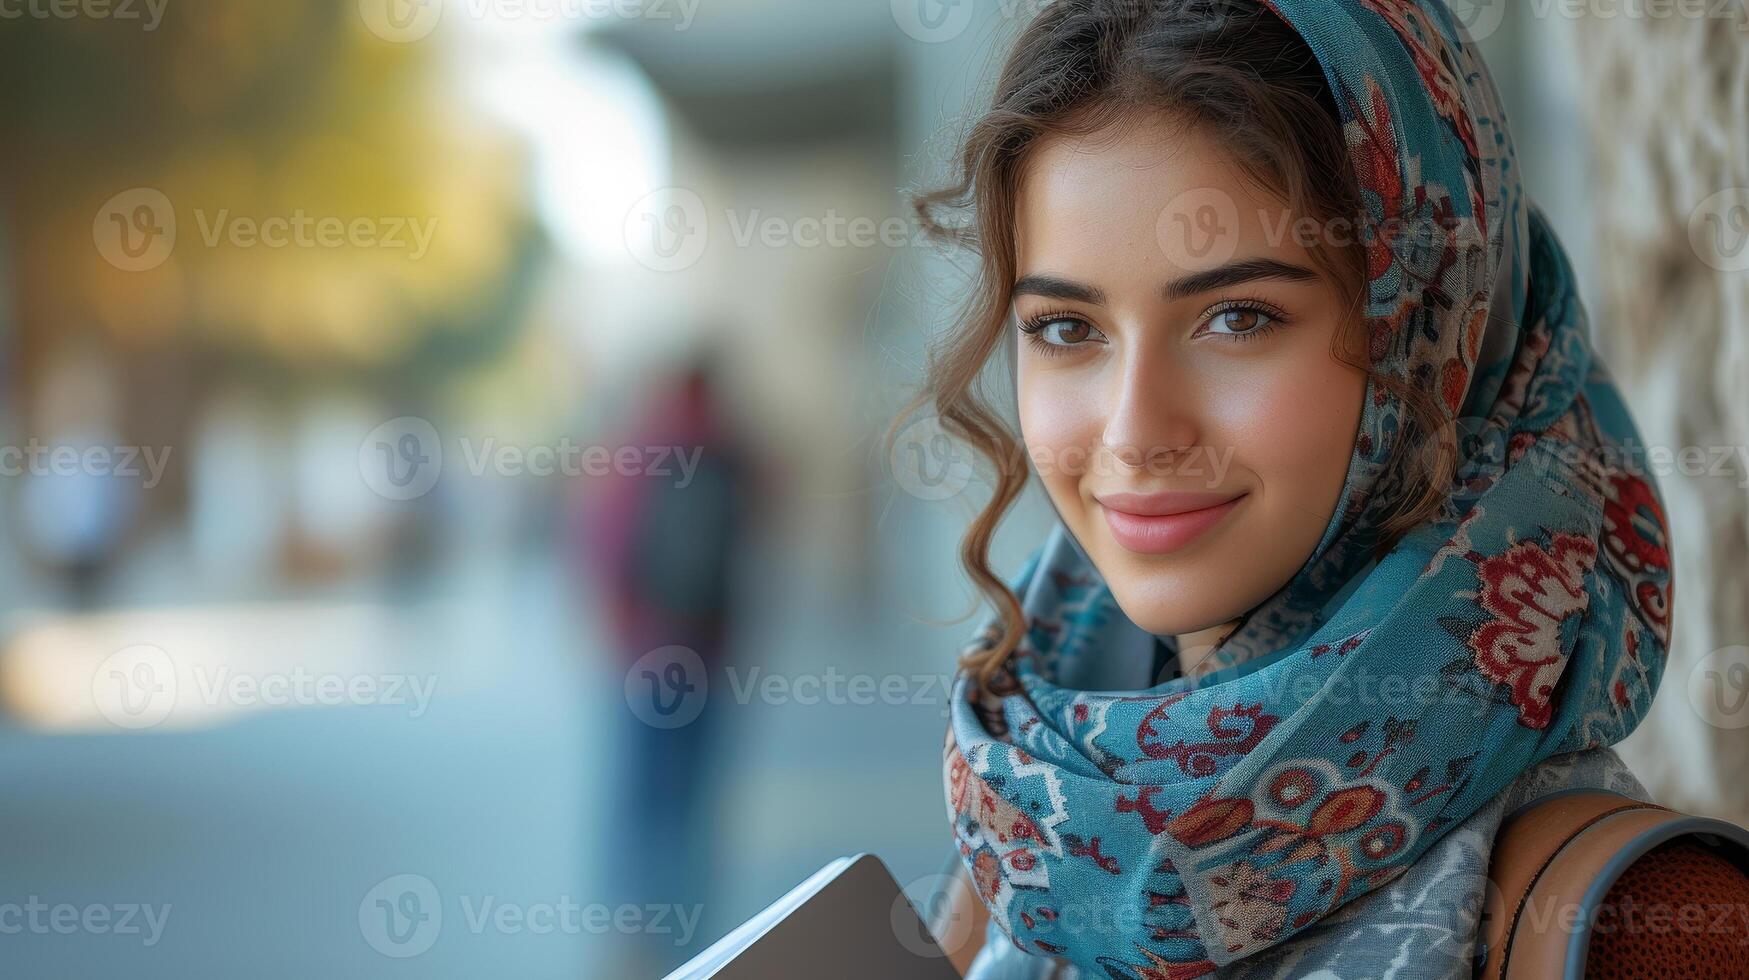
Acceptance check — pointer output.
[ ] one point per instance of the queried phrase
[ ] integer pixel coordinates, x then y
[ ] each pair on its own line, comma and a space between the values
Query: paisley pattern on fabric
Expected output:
1144, 830
1423, 925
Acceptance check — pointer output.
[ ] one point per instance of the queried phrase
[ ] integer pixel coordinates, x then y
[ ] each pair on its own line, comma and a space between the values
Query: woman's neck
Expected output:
1194, 648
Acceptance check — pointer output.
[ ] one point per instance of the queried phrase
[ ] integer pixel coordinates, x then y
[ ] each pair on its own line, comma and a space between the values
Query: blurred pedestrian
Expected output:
661, 540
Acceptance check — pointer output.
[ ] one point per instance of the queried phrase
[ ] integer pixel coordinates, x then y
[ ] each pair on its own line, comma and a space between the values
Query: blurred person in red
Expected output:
660, 540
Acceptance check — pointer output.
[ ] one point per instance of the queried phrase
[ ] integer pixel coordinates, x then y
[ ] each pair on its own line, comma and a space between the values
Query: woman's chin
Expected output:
1186, 621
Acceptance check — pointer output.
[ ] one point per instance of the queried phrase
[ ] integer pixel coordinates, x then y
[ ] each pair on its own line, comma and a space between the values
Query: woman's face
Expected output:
1178, 393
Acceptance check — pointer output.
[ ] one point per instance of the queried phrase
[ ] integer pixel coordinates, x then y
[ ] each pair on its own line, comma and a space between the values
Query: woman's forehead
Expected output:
1161, 200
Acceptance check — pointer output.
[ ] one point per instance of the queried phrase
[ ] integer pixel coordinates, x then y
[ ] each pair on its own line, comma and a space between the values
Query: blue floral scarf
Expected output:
1142, 829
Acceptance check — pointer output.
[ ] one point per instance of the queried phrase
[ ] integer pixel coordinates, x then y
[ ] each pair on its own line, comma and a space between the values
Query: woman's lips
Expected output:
1160, 533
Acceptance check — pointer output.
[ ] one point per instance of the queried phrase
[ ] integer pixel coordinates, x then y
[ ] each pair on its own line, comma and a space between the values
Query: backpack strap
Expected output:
1553, 863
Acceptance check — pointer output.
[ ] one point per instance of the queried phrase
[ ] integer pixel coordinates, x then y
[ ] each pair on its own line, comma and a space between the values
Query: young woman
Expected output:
1351, 559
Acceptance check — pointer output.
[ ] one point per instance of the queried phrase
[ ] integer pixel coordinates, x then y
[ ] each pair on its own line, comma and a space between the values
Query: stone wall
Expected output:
1667, 107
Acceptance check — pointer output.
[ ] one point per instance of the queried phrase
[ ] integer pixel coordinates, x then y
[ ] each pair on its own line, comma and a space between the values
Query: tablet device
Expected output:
848, 921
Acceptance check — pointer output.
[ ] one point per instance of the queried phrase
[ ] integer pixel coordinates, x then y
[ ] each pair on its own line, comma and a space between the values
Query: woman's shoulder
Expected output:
1571, 772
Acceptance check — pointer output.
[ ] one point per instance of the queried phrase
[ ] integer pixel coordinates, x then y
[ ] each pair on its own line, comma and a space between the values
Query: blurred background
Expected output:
444, 520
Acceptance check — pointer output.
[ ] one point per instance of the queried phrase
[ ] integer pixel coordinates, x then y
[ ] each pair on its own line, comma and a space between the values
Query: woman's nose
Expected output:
1153, 412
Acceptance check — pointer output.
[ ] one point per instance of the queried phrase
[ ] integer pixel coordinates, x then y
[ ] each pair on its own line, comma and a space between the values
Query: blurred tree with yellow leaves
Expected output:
256, 182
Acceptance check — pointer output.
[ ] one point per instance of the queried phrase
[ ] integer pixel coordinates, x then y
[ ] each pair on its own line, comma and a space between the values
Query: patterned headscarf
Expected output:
1160, 830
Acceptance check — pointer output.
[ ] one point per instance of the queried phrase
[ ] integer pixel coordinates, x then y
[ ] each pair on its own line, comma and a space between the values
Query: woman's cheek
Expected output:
1060, 426
1299, 434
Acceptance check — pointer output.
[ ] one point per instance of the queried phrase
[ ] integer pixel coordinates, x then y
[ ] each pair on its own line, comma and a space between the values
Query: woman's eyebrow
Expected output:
1051, 287
1231, 274
1234, 273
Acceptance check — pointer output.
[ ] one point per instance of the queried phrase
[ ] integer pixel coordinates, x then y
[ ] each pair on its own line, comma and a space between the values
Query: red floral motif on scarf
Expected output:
1633, 524
1437, 74
1530, 592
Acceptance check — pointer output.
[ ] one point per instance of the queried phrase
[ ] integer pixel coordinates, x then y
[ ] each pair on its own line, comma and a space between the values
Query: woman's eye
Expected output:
1061, 331
1242, 321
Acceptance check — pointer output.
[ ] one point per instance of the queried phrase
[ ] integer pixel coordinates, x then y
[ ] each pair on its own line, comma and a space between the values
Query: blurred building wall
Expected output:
1667, 107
